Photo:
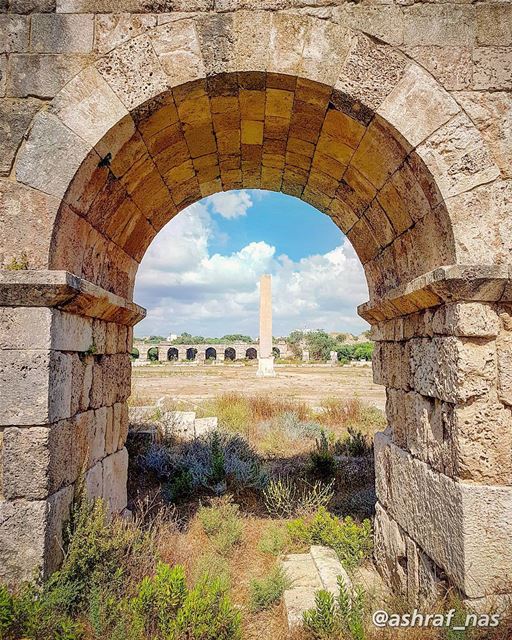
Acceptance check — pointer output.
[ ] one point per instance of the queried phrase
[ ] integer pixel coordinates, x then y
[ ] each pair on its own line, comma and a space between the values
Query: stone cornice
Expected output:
67, 292
453, 283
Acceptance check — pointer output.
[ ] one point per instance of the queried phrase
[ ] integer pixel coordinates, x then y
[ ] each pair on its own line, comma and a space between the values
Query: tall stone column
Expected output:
444, 464
64, 380
266, 358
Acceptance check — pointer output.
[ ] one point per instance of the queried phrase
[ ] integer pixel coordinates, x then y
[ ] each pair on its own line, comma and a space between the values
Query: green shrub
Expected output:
206, 614
180, 487
268, 590
159, 598
286, 497
340, 617
222, 524
213, 566
273, 540
355, 443
322, 458
351, 541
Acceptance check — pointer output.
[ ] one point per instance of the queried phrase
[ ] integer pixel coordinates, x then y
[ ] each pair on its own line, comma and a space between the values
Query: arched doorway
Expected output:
153, 354
251, 353
276, 352
172, 353
211, 353
191, 353
356, 129
229, 354
135, 354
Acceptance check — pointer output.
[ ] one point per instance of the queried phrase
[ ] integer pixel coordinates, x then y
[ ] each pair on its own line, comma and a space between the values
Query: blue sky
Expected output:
201, 272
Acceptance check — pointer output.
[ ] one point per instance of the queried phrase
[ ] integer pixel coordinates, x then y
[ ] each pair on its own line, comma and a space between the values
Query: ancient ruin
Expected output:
392, 118
266, 355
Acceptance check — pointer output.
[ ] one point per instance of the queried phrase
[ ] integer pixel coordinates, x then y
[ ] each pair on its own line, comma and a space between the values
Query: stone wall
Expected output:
65, 379
444, 466
394, 118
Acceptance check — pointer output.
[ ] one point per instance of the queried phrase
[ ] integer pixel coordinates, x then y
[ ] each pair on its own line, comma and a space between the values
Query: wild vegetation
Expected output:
212, 517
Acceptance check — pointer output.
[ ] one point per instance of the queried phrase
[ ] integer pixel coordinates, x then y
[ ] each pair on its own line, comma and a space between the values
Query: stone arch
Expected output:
306, 106
229, 354
210, 353
191, 353
276, 352
135, 353
251, 353
153, 354
172, 353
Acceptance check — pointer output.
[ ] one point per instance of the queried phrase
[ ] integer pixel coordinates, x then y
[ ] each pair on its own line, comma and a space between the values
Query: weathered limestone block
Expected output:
81, 383
368, 76
425, 432
391, 365
125, 70
70, 332
452, 369
389, 551
37, 211
93, 481
117, 427
417, 106
177, 46
494, 24
35, 387
326, 50
385, 22
256, 29
451, 66
287, 36
434, 24
114, 29
15, 117
32, 6
50, 138
504, 352
466, 319
445, 518
31, 536
42, 75
111, 380
115, 476
492, 68
98, 437
88, 106
481, 441
492, 114
17, 327
3, 74
61, 33
396, 416
45, 451
14, 33
455, 155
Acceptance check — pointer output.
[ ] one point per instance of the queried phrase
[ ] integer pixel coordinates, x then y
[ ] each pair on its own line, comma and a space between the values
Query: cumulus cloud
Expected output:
231, 204
186, 287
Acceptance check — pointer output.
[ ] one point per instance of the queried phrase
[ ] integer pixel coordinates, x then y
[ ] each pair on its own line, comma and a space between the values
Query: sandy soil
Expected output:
311, 383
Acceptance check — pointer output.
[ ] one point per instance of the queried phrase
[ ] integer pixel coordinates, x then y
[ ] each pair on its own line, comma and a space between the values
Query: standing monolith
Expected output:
266, 357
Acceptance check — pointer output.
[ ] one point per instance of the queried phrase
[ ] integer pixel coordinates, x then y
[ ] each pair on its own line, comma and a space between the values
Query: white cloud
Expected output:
231, 204
186, 288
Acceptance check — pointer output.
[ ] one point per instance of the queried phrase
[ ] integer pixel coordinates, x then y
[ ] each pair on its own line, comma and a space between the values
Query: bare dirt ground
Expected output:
310, 383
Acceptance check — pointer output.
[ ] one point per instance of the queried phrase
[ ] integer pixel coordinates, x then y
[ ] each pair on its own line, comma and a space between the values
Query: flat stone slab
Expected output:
309, 573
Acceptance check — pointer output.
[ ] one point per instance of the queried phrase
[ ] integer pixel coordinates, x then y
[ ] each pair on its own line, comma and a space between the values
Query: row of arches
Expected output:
210, 353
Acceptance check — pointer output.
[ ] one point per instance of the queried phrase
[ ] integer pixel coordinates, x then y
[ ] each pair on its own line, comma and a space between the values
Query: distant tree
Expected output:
363, 351
236, 337
320, 344
296, 342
